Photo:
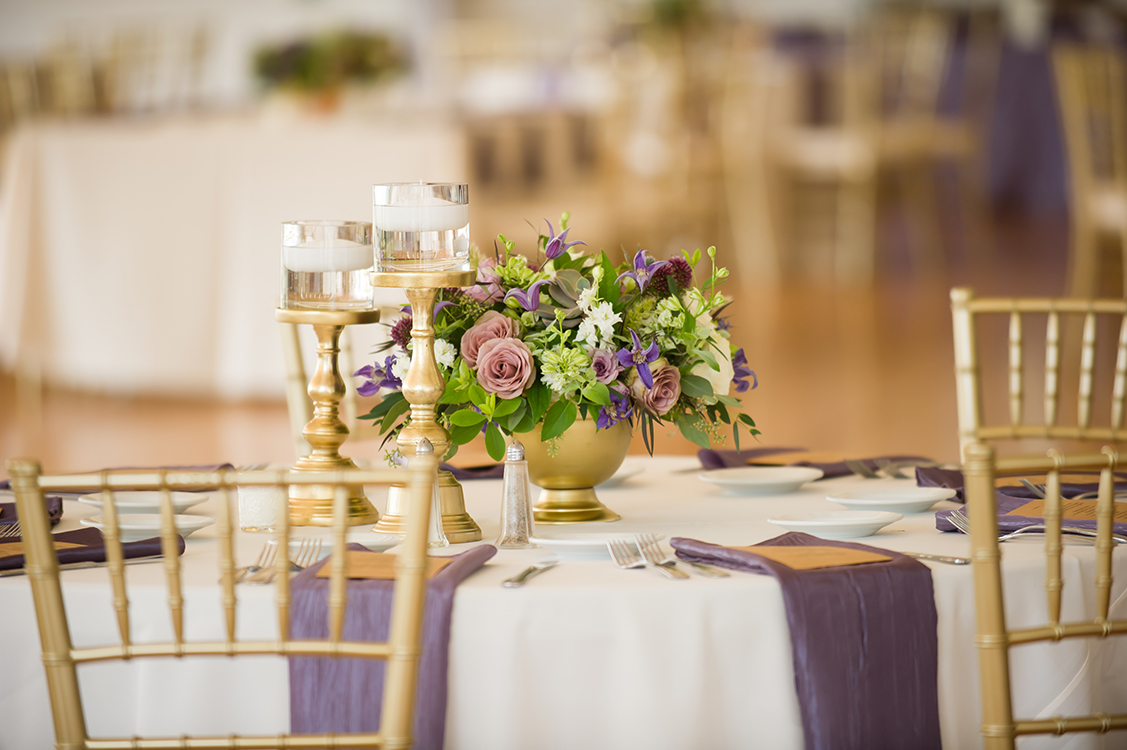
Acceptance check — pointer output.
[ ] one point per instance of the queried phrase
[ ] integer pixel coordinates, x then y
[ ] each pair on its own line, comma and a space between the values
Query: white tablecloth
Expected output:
143, 256
585, 655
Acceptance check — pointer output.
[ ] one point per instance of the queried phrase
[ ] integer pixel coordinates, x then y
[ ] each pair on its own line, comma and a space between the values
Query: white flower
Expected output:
604, 316
445, 353
721, 381
400, 366
587, 333
587, 298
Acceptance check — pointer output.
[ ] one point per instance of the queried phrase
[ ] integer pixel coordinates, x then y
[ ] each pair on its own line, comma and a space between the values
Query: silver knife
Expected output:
938, 558
520, 578
81, 565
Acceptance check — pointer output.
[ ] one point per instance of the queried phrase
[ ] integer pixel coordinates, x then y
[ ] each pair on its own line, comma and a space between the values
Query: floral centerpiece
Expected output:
538, 343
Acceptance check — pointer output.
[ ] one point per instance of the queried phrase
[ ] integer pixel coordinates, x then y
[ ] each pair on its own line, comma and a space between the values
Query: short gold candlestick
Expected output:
312, 504
423, 386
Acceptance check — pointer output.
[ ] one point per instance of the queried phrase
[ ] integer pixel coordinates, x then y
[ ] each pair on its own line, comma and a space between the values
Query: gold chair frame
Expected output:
61, 658
994, 640
965, 309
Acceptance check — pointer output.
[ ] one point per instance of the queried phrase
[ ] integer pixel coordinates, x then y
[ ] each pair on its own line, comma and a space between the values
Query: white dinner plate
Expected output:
582, 545
624, 473
893, 499
837, 524
761, 480
137, 526
147, 501
369, 540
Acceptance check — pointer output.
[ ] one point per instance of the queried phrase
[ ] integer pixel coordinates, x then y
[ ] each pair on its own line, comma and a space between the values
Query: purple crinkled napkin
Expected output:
93, 548
864, 643
345, 695
1013, 498
489, 471
714, 459
9, 514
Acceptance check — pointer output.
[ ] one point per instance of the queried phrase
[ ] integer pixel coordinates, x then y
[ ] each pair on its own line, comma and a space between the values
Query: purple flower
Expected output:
377, 377
620, 408
677, 269
439, 306
401, 332
742, 372
488, 287
557, 243
642, 271
606, 365
529, 300
640, 358
723, 324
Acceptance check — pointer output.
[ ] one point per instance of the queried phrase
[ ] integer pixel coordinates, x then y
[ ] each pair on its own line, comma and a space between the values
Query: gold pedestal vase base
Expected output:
575, 505
456, 522
312, 504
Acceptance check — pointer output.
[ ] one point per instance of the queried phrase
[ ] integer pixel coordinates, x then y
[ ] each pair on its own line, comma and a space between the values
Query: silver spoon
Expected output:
522, 577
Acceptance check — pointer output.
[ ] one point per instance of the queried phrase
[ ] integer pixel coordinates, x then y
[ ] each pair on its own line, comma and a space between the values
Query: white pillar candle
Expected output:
332, 254
428, 215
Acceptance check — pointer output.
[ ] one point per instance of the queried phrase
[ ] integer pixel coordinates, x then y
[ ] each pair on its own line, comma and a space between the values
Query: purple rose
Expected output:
491, 325
488, 286
606, 365
504, 367
665, 391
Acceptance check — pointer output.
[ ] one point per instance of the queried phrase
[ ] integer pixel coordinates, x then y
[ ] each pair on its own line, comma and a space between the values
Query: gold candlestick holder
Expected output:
312, 504
423, 386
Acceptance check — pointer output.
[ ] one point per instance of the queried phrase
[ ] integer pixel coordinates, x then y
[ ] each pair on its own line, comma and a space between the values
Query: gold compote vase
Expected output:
568, 468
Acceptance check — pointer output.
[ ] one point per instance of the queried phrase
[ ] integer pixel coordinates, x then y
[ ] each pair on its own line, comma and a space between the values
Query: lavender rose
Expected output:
504, 367
488, 286
665, 391
491, 325
606, 365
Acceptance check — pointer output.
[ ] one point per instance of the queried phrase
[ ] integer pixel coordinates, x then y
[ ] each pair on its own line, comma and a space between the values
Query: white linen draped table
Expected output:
585, 655
143, 256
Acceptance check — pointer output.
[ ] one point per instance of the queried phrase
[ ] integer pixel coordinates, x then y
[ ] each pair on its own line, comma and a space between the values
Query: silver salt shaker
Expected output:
436, 534
516, 501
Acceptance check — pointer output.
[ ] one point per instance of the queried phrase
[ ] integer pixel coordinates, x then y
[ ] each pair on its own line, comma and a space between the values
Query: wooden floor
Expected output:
863, 370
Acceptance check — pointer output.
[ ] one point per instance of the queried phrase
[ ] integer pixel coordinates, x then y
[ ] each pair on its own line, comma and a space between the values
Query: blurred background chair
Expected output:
1090, 88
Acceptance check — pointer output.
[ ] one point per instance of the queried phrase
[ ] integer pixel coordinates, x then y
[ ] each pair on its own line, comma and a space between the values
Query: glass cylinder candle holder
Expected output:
326, 265
421, 226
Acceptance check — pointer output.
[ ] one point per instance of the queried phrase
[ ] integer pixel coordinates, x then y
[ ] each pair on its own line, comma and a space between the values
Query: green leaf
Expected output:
525, 424
736, 435
397, 410
463, 435
728, 401
647, 424
506, 407
747, 420
538, 397
560, 416
467, 418
608, 287
380, 409
478, 396
451, 452
692, 429
694, 386
597, 393
710, 358
494, 442
510, 422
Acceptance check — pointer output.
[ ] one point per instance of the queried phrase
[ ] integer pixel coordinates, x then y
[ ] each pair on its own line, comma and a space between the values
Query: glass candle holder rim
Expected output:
462, 188
327, 223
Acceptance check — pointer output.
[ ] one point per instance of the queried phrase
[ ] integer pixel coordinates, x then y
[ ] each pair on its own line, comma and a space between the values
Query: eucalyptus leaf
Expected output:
695, 386
691, 428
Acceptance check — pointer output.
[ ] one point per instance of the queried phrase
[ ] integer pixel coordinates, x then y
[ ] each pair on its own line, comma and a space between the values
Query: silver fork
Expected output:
10, 531
242, 573
961, 522
265, 572
623, 556
651, 550
861, 469
306, 555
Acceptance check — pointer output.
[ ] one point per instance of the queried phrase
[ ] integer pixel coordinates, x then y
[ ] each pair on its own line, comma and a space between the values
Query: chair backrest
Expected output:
994, 639
965, 311
1090, 83
61, 658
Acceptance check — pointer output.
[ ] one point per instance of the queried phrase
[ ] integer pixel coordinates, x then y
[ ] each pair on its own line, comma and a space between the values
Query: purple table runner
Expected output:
345, 695
93, 548
715, 459
9, 513
864, 641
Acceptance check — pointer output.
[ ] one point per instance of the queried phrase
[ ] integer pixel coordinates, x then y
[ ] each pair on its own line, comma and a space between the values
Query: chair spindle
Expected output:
115, 561
1087, 364
1016, 389
1052, 367
282, 564
227, 556
1105, 516
338, 589
170, 550
1053, 580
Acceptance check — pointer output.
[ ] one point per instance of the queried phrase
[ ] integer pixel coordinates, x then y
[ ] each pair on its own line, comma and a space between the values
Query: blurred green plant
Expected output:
329, 61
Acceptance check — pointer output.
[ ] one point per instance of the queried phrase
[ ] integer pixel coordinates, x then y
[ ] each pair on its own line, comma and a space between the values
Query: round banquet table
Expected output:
585, 655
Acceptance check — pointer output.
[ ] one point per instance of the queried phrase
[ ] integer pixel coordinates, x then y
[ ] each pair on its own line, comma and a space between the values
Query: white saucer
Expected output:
371, 541
839, 524
137, 526
761, 480
894, 499
624, 473
147, 501
589, 545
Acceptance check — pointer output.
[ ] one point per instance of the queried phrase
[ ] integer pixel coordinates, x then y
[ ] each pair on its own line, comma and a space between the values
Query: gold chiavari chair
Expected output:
994, 640
1090, 90
965, 311
61, 658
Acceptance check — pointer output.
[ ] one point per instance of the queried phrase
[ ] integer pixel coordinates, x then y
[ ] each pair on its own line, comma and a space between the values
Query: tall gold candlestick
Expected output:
423, 386
312, 505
